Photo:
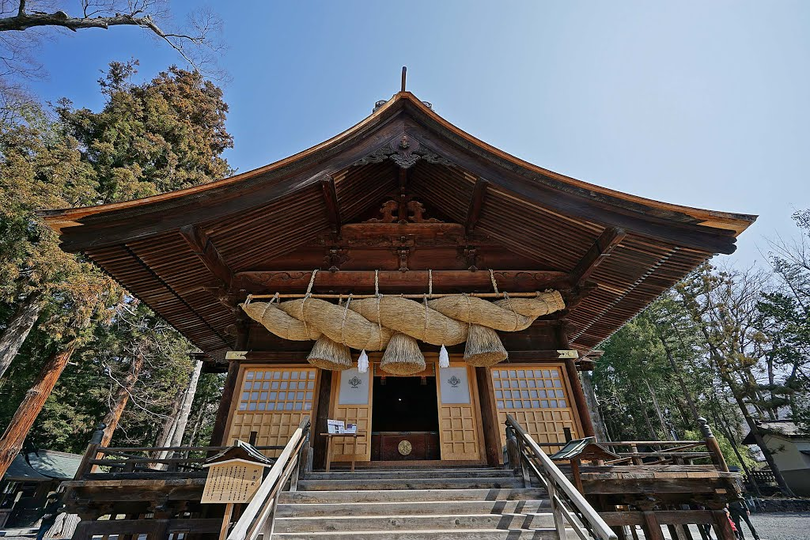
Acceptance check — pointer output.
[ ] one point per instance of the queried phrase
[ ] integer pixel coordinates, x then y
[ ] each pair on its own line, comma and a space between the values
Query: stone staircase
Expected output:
415, 503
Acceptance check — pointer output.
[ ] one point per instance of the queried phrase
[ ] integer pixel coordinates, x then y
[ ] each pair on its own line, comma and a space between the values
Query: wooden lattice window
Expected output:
271, 403
537, 388
277, 390
538, 397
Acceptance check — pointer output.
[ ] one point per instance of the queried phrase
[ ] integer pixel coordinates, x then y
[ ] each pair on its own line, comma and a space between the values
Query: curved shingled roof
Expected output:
182, 252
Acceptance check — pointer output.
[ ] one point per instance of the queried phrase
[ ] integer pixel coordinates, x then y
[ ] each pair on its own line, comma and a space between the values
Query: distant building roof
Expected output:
785, 428
42, 466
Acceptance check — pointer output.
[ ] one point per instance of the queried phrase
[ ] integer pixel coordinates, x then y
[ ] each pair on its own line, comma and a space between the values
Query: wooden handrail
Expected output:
117, 449
548, 473
258, 516
648, 443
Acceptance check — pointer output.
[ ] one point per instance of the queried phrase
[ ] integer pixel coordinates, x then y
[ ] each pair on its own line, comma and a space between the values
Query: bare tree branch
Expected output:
105, 14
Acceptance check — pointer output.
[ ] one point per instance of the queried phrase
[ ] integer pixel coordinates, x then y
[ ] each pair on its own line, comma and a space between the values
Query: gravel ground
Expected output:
780, 526
770, 526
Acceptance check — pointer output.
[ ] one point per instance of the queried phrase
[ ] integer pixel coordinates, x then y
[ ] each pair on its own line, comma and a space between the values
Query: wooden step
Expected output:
411, 483
412, 508
404, 495
415, 522
411, 473
468, 534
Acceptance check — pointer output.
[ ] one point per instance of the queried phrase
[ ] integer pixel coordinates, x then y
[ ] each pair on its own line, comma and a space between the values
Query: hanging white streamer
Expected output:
362, 362
444, 358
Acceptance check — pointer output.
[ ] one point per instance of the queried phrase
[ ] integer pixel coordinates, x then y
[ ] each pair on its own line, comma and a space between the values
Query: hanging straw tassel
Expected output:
402, 356
444, 358
328, 354
362, 362
484, 347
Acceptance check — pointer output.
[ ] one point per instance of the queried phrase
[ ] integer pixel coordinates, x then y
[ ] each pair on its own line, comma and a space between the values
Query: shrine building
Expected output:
402, 276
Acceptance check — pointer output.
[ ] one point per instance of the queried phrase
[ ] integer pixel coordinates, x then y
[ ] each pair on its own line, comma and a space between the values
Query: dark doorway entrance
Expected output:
404, 419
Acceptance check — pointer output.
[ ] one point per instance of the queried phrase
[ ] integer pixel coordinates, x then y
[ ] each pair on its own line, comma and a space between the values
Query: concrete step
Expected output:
411, 473
411, 483
405, 495
468, 534
412, 508
414, 523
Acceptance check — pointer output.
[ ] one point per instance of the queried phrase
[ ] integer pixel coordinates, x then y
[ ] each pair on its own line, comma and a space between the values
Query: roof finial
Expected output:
404, 77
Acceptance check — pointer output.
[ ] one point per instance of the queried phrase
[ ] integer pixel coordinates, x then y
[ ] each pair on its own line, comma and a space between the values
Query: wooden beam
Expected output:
394, 281
331, 200
205, 250
607, 241
476, 203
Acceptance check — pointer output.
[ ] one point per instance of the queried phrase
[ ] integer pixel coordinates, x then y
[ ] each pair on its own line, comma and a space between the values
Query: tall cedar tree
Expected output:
159, 136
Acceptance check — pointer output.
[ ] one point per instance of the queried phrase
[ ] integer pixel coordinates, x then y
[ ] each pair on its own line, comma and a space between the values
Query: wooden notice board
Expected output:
232, 481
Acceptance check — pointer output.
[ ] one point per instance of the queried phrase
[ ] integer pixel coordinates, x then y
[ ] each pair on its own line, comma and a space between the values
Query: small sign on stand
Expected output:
234, 476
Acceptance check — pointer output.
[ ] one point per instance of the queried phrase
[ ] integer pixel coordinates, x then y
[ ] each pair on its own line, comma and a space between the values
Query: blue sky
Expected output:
699, 103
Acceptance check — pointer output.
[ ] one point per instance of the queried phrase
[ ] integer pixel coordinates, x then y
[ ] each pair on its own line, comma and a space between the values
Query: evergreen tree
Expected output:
158, 136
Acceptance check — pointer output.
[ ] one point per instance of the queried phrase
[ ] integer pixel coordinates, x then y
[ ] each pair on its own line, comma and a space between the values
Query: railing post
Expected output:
524, 468
512, 450
712, 445
91, 453
556, 511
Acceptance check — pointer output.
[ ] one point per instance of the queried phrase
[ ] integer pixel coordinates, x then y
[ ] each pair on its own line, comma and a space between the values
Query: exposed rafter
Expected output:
607, 241
331, 200
476, 203
208, 254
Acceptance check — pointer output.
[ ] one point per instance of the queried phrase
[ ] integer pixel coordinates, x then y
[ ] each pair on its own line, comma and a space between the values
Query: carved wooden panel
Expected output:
539, 398
458, 421
272, 401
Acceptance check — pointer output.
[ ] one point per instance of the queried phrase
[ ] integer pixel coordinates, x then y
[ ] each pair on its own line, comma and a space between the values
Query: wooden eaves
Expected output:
193, 254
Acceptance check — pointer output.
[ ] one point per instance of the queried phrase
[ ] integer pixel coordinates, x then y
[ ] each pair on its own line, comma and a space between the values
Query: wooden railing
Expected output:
145, 461
259, 516
568, 506
658, 452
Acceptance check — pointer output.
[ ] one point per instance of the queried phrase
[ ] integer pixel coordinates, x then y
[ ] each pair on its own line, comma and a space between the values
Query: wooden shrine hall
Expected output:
405, 277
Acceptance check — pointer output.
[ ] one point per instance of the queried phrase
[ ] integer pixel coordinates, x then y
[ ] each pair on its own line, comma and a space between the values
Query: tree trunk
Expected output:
176, 424
12, 440
593, 406
121, 399
658, 412
18, 328
752, 425
170, 423
185, 408
192, 441
686, 394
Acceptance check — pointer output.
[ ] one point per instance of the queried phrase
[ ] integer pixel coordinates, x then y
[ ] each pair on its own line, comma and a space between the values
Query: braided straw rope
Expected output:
369, 323
395, 323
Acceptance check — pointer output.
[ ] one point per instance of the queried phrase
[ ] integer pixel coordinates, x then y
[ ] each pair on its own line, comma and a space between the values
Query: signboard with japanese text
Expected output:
233, 481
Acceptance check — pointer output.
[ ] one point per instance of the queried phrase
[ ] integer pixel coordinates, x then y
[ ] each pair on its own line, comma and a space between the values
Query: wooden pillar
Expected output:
218, 434
586, 378
652, 529
242, 334
721, 525
576, 384
489, 416
579, 398
319, 443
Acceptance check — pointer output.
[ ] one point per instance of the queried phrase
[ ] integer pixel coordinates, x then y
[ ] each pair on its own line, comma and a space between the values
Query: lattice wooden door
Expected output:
353, 404
458, 413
